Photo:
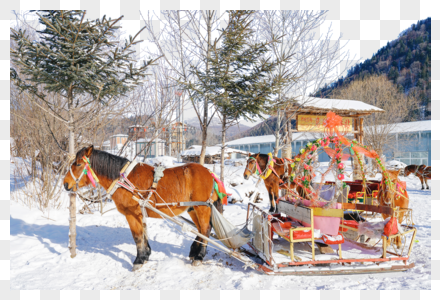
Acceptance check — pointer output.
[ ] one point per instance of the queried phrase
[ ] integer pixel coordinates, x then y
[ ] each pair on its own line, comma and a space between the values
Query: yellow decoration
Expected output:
269, 168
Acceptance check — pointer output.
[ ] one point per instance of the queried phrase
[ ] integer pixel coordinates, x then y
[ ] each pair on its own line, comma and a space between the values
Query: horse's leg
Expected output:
201, 215
271, 192
139, 232
196, 244
276, 194
426, 182
421, 180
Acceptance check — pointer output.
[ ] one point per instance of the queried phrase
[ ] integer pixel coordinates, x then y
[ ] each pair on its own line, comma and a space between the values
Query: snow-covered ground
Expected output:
40, 258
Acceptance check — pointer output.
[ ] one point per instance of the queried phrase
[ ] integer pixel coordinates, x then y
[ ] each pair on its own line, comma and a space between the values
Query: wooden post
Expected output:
356, 167
313, 233
361, 130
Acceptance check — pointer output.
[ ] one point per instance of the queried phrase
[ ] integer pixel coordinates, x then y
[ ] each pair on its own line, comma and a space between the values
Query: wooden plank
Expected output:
331, 212
300, 213
324, 248
373, 208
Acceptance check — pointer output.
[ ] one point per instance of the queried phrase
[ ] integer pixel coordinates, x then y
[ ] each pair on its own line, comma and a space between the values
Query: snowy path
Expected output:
40, 258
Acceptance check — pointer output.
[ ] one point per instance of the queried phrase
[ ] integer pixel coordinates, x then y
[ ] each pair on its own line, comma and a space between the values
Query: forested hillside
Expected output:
406, 61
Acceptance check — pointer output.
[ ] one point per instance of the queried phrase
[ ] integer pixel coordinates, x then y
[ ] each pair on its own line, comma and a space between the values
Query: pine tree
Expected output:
238, 81
79, 59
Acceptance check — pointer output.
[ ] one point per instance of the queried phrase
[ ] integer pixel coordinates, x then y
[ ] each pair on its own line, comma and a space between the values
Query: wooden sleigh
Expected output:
270, 229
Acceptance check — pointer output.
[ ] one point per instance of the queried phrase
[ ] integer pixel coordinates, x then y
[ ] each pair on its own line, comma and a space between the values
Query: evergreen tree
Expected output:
79, 59
238, 81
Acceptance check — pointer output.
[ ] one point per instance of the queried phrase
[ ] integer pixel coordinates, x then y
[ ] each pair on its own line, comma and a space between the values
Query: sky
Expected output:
370, 34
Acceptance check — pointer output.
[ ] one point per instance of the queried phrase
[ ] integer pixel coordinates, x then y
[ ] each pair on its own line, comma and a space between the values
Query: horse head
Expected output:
406, 171
251, 165
74, 178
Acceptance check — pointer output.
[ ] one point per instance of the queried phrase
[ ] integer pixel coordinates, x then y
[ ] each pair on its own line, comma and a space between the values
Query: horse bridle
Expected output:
83, 172
255, 167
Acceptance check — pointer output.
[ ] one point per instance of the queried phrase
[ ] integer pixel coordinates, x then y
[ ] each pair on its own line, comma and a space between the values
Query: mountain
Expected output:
215, 127
406, 61
265, 128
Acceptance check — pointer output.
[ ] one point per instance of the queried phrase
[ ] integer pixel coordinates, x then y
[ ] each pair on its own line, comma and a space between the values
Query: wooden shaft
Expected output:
232, 253
116, 180
412, 242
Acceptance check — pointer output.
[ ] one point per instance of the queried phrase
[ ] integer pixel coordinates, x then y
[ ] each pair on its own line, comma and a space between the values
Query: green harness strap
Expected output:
221, 195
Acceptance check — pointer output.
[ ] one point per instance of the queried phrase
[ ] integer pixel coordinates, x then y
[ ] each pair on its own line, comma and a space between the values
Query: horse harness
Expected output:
123, 181
420, 173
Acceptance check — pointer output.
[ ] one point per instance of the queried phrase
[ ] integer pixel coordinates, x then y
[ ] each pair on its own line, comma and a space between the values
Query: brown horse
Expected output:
272, 182
396, 196
422, 172
190, 182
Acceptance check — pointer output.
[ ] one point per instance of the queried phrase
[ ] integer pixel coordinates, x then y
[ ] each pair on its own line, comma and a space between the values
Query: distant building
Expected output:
106, 145
413, 141
136, 132
143, 149
117, 140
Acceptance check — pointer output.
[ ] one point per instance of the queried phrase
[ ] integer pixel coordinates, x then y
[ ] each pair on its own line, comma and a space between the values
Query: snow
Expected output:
395, 164
119, 134
40, 258
210, 151
324, 103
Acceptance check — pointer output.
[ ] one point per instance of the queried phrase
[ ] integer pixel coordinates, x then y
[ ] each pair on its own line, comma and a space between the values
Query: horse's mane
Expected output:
265, 156
104, 163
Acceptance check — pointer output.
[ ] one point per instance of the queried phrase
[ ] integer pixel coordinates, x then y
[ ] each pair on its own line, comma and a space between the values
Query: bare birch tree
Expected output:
383, 93
186, 39
315, 59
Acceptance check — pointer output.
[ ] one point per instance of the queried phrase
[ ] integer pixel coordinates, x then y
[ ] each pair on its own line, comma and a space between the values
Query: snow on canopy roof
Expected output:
210, 151
320, 104
299, 136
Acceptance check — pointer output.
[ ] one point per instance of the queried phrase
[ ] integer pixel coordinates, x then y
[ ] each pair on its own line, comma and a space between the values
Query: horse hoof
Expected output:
196, 263
136, 267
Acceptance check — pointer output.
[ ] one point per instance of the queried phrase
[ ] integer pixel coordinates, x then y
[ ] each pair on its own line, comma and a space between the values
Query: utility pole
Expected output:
177, 123
156, 133
183, 128
169, 139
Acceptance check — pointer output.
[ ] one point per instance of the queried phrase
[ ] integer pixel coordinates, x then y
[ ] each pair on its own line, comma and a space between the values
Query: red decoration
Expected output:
361, 150
340, 176
390, 227
331, 123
